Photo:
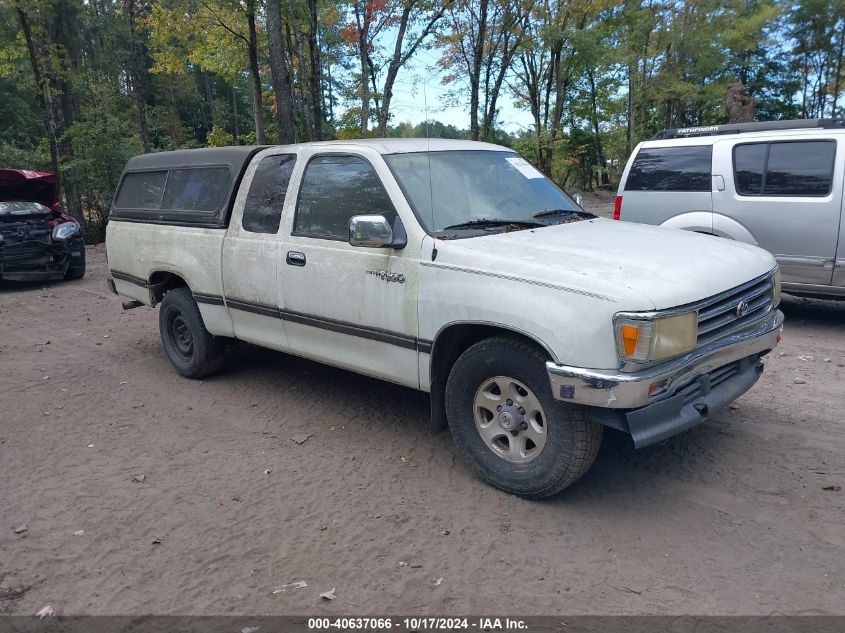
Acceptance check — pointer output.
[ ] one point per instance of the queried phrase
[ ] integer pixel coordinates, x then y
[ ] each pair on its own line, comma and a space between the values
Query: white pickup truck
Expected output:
451, 267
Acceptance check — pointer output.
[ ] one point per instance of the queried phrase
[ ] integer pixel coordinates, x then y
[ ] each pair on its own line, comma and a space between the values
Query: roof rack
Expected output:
740, 128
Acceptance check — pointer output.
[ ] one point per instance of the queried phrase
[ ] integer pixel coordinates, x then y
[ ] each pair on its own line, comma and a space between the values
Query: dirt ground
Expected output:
730, 518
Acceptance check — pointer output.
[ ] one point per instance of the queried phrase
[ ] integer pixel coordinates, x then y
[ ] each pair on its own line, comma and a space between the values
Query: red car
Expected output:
37, 240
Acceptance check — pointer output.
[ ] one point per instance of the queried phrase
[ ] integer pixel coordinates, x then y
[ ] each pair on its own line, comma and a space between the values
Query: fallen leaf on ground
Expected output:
138, 479
45, 611
79, 533
328, 595
21, 529
833, 488
156, 541
296, 584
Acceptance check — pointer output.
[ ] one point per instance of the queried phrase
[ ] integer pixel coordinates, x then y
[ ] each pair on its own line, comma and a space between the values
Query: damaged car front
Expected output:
37, 240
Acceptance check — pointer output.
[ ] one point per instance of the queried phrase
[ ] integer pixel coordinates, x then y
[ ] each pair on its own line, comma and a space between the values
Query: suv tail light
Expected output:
617, 208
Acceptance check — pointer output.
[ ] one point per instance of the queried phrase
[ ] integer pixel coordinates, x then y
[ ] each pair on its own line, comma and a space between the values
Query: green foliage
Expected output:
219, 137
102, 140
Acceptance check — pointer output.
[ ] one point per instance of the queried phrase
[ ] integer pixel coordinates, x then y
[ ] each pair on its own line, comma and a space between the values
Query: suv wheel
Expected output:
507, 425
192, 350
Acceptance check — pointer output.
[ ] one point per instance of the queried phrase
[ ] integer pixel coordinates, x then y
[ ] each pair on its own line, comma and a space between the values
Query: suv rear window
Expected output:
787, 168
684, 168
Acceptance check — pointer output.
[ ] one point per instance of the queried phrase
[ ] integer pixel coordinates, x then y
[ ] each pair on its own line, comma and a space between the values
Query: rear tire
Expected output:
509, 428
192, 350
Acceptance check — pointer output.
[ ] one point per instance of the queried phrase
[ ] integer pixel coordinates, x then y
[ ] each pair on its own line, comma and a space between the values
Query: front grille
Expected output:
721, 314
26, 243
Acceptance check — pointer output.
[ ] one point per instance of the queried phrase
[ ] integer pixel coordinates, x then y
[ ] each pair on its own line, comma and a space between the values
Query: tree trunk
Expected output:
67, 29
838, 77
138, 91
393, 70
316, 66
363, 30
257, 99
475, 71
236, 126
629, 145
282, 85
594, 115
42, 91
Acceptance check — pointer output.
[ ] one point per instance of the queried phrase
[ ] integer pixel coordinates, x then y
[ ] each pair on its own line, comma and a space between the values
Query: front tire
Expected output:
509, 428
192, 350
76, 270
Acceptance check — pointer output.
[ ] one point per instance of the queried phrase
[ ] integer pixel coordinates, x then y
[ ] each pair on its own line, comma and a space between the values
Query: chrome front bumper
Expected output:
613, 389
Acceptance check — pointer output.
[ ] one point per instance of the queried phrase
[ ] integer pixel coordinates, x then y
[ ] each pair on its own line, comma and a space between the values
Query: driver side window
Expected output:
334, 189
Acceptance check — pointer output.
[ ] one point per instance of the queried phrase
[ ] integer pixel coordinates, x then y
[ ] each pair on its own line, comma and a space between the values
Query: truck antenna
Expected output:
428, 154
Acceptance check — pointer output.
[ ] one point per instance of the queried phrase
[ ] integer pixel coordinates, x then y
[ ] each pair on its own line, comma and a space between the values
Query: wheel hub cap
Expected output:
510, 419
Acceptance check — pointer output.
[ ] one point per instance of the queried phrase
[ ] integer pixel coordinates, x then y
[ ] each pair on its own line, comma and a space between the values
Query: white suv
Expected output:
777, 185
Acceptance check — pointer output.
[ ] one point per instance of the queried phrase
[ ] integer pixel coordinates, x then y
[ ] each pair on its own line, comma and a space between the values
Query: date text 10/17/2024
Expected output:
417, 624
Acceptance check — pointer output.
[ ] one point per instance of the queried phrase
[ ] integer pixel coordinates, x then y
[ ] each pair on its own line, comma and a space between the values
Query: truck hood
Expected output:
637, 266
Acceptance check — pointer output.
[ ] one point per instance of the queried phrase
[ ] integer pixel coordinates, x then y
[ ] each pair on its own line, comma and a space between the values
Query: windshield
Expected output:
475, 190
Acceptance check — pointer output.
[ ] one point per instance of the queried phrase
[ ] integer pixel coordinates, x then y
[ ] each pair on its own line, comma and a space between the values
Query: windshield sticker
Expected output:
525, 168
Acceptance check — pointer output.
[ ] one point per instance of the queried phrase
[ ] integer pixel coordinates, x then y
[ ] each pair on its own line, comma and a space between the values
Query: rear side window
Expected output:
671, 169
263, 207
141, 190
200, 189
334, 189
788, 168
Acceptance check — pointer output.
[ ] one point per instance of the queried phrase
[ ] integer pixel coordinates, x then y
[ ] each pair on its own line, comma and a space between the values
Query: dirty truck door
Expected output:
354, 307
250, 251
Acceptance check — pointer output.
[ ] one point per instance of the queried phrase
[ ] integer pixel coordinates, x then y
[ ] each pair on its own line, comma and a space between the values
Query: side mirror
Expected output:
579, 199
372, 231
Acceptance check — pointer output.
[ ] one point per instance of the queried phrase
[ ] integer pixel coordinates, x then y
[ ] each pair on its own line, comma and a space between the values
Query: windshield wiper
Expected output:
547, 212
484, 222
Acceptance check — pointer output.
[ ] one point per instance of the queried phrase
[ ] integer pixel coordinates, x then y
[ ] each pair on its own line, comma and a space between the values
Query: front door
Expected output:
352, 307
788, 195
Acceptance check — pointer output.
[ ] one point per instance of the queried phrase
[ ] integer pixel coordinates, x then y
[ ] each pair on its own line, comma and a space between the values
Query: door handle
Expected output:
718, 182
295, 258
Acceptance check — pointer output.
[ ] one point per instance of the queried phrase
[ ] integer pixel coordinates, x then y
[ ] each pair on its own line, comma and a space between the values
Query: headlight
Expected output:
641, 340
65, 230
776, 291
